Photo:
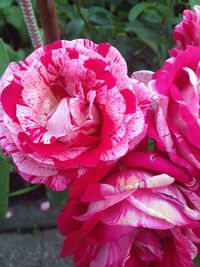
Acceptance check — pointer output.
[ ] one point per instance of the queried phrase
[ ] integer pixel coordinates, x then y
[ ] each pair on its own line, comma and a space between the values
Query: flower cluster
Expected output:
70, 116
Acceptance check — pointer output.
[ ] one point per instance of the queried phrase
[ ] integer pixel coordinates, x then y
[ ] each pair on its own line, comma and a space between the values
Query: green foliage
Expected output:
5, 168
148, 24
13, 30
3, 57
14, 16
193, 3
197, 261
57, 198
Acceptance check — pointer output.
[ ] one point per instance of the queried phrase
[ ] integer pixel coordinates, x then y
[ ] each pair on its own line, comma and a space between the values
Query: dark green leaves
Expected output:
197, 261
100, 16
3, 57
138, 9
14, 16
5, 3
75, 27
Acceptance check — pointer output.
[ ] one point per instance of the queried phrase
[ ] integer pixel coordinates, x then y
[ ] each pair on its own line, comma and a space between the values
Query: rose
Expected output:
132, 218
187, 32
68, 108
143, 247
174, 124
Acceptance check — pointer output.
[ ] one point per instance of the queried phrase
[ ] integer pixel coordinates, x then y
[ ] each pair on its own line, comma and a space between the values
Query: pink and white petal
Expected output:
101, 192
84, 47
115, 106
29, 166
41, 159
32, 126
12, 126
173, 194
136, 129
190, 250
69, 154
163, 131
8, 75
59, 124
36, 92
113, 254
59, 182
55, 182
109, 201
143, 76
116, 152
156, 206
104, 233
125, 214
153, 246
75, 111
35, 56
118, 67
143, 95
191, 93
127, 136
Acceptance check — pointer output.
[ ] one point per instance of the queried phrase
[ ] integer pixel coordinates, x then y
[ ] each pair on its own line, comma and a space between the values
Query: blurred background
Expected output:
142, 32
136, 28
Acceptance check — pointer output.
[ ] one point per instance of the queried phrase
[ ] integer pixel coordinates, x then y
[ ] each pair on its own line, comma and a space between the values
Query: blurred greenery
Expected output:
141, 30
57, 198
197, 261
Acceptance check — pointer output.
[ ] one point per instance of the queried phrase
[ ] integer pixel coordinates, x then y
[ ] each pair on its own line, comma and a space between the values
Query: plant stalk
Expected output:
31, 22
23, 191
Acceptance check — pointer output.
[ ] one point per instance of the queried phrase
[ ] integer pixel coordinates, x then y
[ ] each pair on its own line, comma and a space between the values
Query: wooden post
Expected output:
48, 19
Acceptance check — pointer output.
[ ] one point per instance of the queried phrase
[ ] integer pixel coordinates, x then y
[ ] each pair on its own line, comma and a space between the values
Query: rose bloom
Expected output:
175, 121
67, 108
133, 217
187, 32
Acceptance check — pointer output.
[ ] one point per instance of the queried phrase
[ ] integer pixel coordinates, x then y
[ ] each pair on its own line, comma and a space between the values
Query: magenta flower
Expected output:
132, 218
67, 108
174, 124
187, 32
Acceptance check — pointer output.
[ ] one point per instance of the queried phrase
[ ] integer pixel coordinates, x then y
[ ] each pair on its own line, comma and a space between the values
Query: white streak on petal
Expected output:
32, 167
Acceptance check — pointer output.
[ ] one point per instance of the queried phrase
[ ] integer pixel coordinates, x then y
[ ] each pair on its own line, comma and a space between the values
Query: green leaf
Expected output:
197, 261
193, 3
151, 144
57, 198
15, 55
149, 37
4, 61
14, 16
74, 28
5, 168
5, 3
100, 16
138, 9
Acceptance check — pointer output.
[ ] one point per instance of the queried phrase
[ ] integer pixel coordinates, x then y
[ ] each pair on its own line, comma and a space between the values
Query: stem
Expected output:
31, 23
23, 191
48, 20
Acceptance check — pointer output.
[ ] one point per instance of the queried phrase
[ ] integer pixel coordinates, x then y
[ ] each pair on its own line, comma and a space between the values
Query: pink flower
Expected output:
187, 32
175, 122
132, 218
67, 108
